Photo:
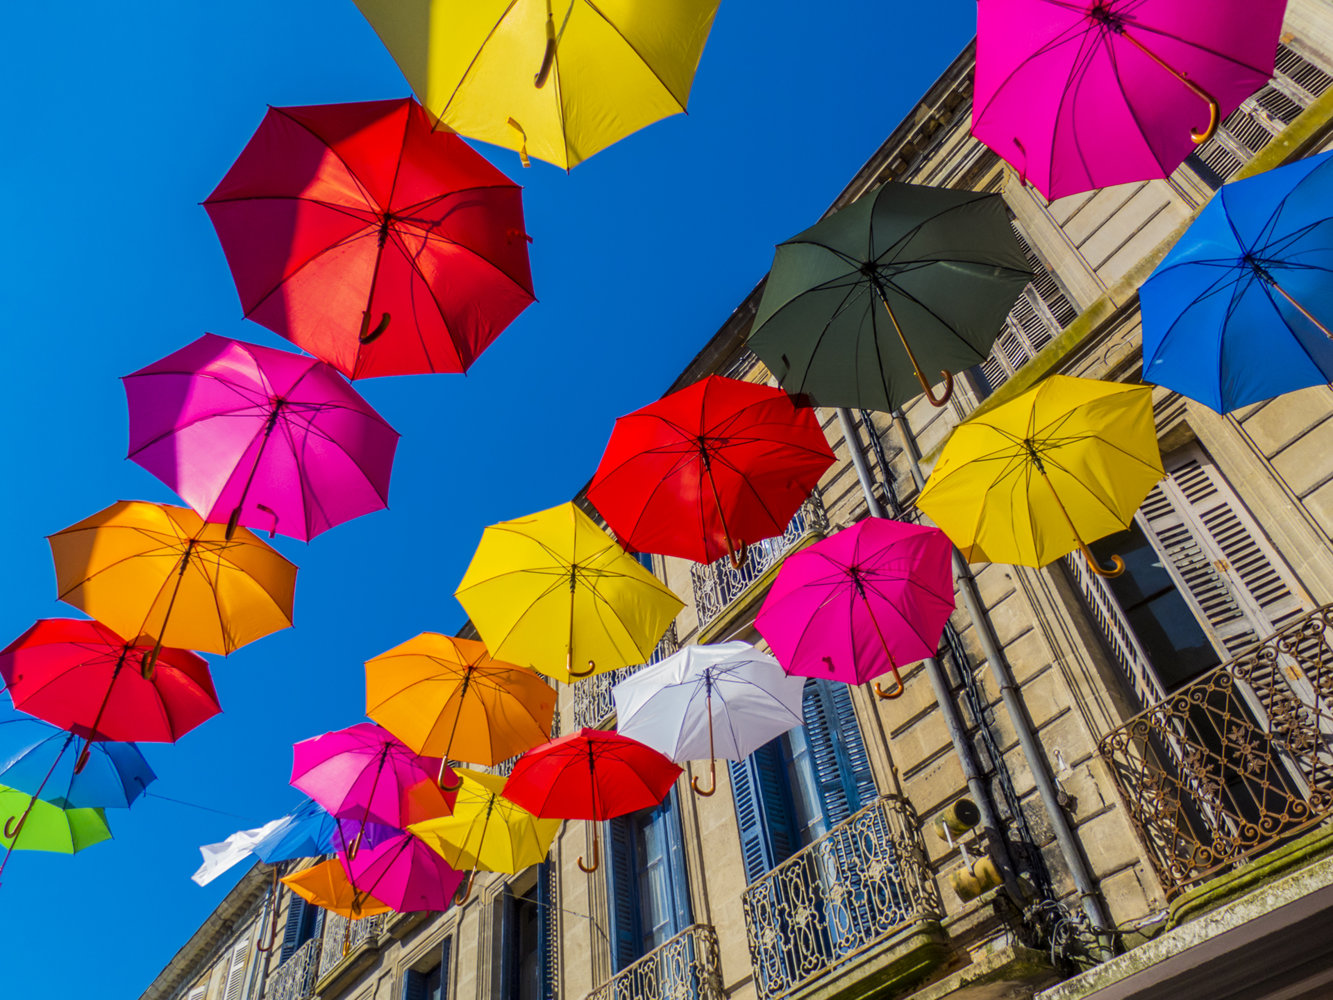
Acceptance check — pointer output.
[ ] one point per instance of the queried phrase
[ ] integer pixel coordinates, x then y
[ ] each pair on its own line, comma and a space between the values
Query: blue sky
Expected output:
121, 119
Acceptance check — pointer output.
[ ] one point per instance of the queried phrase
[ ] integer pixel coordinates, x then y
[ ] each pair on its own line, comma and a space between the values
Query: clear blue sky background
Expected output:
120, 119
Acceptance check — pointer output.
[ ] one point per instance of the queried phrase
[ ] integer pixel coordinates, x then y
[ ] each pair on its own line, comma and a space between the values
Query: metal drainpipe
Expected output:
939, 681
1027, 736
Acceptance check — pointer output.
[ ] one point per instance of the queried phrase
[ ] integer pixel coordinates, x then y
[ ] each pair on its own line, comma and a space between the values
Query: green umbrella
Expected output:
30, 824
904, 282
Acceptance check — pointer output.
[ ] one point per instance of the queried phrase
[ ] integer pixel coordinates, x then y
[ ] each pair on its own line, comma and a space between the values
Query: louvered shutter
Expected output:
414, 985
446, 966
198, 993
507, 966
837, 752
547, 929
765, 813
669, 816
622, 877
235, 988
296, 923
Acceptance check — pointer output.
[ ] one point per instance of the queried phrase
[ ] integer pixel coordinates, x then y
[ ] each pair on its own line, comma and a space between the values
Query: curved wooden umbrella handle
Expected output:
1214, 119
712, 771
12, 833
930, 396
1116, 568
367, 335
548, 57
596, 858
462, 893
738, 555
592, 667
896, 692
443, 781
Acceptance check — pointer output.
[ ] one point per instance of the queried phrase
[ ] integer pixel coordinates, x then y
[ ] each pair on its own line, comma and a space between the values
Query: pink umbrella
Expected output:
861, 603
367, 774
260, 437
404, 873
1081, 94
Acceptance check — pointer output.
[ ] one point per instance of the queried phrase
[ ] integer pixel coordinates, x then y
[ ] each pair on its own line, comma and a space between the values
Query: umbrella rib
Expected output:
595, 9
361, 185
1082, 61
473, 61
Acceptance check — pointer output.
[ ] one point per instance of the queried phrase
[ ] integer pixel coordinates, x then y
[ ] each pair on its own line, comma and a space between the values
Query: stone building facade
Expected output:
1148, 755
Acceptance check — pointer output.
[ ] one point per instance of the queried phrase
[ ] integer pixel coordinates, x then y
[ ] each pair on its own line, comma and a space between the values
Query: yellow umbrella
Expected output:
553, 589
487, 832
150, 569
557, 79
446, 697
326, 885
1064, 464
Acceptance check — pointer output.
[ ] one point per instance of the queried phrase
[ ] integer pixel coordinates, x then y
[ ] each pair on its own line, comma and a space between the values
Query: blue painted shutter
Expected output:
668, 814
837, 751
296, 920
546, 928
446, 953
764, 809
622, 878
508, 964
414, 985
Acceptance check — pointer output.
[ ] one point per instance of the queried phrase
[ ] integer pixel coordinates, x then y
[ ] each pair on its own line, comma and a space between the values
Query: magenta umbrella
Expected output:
861, 603
404, 873
260, 437
365, 773
1081, 94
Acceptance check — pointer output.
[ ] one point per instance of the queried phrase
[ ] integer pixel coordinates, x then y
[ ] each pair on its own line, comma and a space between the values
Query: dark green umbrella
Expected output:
906, 281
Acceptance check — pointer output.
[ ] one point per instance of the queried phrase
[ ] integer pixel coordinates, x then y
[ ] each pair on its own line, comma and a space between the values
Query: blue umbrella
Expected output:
1240, 309
113, 776
311, 831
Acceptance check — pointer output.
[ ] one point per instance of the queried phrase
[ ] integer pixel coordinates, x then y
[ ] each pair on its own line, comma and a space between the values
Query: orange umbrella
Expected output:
446, 697
151, 569
326, 885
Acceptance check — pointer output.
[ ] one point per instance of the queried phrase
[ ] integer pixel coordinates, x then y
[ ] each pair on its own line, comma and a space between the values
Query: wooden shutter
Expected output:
296, 922
446, 966
235, 988
198, 993
622, 878
668, 815
765, 812
837, 751
414, 985
548, 931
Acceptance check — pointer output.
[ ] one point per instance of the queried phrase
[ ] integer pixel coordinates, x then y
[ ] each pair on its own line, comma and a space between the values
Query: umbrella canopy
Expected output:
366, 773
725, 700
1082, 94
865, 307
105, 776
250, 435
405, 873
84, 678
326, 885
48, 827
487, 831
592, 774
557, 79
553, 589
446, 697
861, 603
308, 832
1241, 308
1044, 474
150, 569
370, 240
706, 470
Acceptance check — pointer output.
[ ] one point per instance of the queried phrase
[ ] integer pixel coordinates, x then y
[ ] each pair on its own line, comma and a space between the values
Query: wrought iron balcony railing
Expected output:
717, 584
685, 967
295, 978
1236, 761
342, 936
837, 898
593, 704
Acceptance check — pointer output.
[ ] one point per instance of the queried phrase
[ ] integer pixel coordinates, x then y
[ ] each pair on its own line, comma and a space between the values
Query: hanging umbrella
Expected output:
365, 773
557, 79
553, 576
326, 886
47, 827
1082, 94
487, 832
150, 569
310, 831
404, 873
445, 697
593, 775
268, 439
1240, 309
371, 241
1064, 464
82, 677
864, 307
702, 472
725, 700
861, 603
106, 775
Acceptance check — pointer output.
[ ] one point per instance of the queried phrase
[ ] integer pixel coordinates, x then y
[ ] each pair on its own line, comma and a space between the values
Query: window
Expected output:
794, 789
304, 922
432, 983
525, 969
235, 985
646, 879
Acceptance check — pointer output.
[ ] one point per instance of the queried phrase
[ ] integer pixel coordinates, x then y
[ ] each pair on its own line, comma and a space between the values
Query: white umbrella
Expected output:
716, 701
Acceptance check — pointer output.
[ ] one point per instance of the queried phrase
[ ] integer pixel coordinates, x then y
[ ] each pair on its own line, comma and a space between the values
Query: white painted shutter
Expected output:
198, 993
235, 988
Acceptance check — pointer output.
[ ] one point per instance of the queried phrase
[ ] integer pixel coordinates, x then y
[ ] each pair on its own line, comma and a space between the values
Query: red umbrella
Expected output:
704, 471
374, 242
594, 774
86, 679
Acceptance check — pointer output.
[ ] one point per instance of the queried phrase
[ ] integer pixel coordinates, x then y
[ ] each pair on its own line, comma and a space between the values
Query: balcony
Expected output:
684, 968
295, 978
718, 584
862, 884
343, 942
1235, 762
593, 704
